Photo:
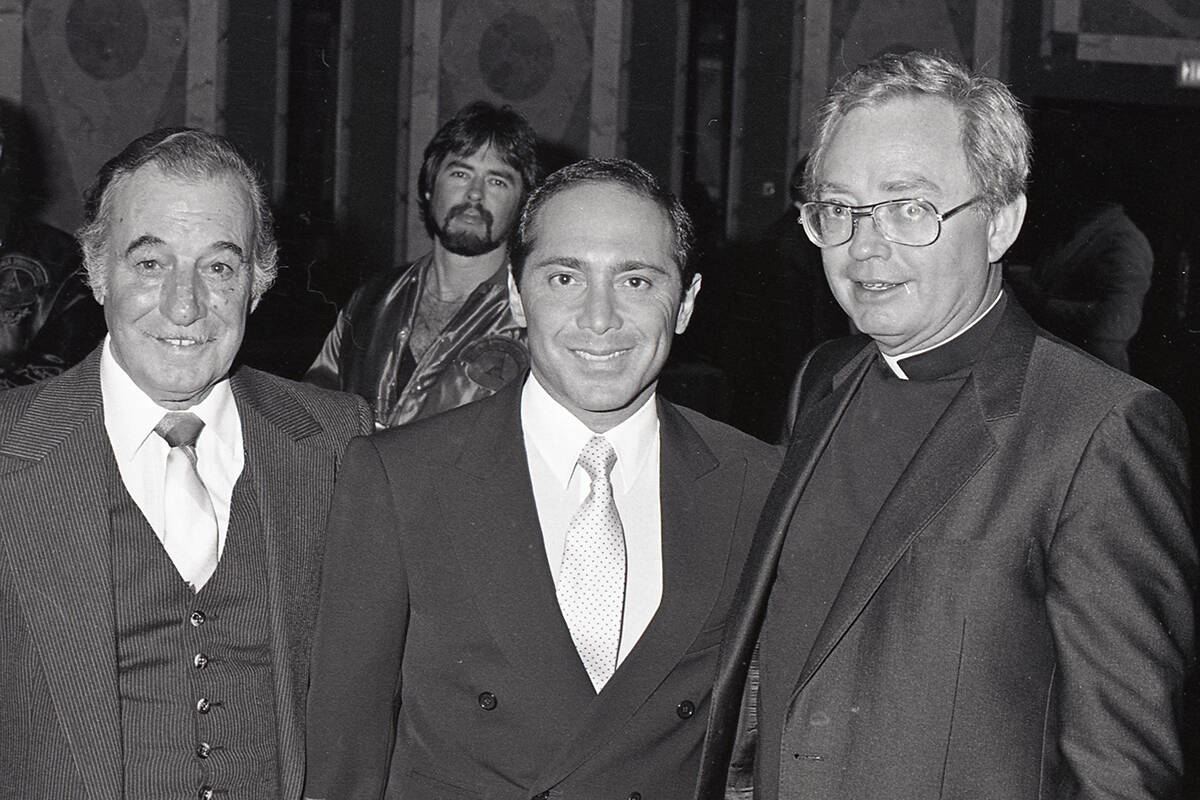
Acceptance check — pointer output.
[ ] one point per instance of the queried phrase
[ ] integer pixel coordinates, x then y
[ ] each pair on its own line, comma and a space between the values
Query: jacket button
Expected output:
203, 706
487, 701
197, 619
201, 661
685, 709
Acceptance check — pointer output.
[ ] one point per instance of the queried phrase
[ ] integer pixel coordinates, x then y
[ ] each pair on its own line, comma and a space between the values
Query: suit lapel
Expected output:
492, 522
57, 471
959, 444
699, 508
282, 478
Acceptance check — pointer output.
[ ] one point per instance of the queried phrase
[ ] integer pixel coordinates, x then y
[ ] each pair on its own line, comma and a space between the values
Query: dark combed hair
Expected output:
621, 172
477, 125
190, 154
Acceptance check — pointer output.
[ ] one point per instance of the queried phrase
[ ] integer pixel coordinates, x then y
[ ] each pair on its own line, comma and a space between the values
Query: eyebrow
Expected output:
150, 240
504, 172
625, 266
915, 183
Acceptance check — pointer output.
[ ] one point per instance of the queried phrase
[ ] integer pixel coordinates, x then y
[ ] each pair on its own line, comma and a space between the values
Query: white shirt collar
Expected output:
559, 436
130, 415
893, 362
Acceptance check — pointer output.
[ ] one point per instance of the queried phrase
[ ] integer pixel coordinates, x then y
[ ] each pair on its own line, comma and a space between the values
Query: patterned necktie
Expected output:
190, 538
591, 582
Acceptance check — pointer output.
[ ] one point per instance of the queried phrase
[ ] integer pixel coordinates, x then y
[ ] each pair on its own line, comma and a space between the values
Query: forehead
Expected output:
150, 199
905, 143
604, 222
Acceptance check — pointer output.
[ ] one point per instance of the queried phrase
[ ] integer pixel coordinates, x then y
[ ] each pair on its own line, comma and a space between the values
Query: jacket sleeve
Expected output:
358, 647
326, 369
1122, 571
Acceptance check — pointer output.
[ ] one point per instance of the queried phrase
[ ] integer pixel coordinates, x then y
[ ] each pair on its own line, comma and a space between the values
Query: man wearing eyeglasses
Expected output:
974, 575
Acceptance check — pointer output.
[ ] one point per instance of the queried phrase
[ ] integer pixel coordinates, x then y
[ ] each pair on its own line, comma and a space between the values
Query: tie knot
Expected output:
180, 428
597, 458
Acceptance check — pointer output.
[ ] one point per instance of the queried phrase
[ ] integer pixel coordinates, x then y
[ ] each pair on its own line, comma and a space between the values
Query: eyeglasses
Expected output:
912, 221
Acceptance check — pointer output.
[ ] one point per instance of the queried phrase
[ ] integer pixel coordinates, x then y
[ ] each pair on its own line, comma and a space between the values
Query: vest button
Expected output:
203, 749
201, 661
685, 709
197, 619
206, 793
635, 796
203, 706
487, 701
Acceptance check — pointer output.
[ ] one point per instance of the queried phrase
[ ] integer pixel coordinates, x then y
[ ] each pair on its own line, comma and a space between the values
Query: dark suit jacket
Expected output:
439, 626
1019, 618
59, 709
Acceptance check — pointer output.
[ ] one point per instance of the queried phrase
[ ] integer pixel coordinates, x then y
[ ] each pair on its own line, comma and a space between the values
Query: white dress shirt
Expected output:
553, 439
130, 416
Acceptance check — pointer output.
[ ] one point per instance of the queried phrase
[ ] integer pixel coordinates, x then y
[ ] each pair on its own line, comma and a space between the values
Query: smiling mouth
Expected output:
879, 286
601, 357
183, 341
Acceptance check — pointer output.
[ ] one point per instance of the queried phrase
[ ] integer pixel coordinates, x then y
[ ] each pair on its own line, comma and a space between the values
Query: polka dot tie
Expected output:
190, 536
591, 582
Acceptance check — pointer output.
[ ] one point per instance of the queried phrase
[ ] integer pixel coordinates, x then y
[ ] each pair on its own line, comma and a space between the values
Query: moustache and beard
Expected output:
468, 241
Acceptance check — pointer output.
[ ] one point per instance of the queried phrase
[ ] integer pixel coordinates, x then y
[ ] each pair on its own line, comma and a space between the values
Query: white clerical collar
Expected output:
130, 415
559, 435
893, 361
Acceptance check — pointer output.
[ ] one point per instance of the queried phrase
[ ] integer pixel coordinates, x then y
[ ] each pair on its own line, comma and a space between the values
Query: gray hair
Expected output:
995, 137
186, 153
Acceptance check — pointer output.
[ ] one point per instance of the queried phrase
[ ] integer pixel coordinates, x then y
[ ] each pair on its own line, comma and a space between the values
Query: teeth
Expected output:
584, 354
877, 285
181, 342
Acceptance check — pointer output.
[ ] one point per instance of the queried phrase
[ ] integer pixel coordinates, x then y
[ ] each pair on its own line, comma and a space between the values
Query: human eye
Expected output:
220, 269
563, 279
834, 212
638, 282
911, 210
499, 183
147, 265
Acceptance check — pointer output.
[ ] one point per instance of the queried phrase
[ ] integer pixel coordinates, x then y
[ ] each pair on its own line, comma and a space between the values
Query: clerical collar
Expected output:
960, 350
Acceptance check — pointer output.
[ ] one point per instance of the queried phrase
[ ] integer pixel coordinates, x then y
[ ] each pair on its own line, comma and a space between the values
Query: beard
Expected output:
468, 242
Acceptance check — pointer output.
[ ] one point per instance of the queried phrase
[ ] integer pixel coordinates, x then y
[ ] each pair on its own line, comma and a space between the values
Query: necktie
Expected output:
591, 582
190, 537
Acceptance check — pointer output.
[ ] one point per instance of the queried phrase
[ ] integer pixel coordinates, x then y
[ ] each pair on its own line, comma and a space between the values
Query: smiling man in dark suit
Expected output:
525, 596
161, 513
974, 577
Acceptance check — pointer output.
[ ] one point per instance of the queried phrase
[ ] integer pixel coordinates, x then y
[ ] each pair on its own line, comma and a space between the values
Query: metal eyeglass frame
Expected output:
858, 212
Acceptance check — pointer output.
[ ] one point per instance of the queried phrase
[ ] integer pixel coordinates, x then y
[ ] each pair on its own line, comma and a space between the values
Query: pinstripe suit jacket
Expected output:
60, 731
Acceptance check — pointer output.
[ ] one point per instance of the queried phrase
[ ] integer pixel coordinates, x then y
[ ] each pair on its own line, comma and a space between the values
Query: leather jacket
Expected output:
480, 350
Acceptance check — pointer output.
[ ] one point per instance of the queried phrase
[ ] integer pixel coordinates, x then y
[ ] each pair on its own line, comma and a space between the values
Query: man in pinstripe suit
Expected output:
157, 587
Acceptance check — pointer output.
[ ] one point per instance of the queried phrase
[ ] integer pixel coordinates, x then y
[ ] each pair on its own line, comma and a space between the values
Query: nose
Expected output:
475, 188
599, 313
182, 296
866, 241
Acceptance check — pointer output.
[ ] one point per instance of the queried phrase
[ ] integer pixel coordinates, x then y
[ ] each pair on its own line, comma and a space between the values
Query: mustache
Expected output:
462, 208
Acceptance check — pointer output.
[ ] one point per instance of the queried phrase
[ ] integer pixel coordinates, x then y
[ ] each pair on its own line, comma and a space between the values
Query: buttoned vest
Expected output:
194, 669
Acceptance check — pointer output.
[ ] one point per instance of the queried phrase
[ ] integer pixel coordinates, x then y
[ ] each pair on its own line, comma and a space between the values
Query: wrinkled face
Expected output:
909, 298
601, 298
475, 202
179, 278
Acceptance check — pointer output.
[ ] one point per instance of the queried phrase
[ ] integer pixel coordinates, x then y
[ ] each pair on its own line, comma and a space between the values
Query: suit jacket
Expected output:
60, 731
1018, 620
440, 644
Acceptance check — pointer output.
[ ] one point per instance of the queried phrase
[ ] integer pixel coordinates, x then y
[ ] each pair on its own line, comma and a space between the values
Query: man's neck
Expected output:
455, 276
